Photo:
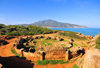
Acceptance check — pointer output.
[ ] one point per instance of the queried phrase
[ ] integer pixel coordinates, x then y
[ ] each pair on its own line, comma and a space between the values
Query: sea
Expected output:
86, 31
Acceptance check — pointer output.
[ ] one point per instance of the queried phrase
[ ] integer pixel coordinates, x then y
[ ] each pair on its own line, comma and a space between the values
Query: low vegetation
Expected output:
44, 62
46, 43
17, 30
14, 52
71, 35
98, 43
84, 45
75, 66
75, 44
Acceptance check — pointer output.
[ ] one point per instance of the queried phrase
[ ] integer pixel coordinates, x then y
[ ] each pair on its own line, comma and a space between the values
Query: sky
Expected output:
81, 12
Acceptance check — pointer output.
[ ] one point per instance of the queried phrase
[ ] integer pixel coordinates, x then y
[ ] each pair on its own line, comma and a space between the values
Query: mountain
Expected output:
55, 24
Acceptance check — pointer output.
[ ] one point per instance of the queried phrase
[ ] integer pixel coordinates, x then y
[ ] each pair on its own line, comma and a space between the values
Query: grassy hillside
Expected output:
17, 30
71, 35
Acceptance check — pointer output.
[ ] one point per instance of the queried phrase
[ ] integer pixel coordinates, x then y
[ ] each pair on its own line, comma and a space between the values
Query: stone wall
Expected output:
50, 55
28, 55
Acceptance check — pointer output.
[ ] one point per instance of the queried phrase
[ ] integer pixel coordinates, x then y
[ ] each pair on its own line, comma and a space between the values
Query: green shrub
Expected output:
17, 30
46, 43
75, 66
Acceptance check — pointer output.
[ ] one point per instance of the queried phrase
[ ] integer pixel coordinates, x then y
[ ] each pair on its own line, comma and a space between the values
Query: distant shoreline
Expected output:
86, 31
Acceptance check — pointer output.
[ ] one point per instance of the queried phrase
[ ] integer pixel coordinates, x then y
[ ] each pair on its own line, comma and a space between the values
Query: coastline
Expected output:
86, 31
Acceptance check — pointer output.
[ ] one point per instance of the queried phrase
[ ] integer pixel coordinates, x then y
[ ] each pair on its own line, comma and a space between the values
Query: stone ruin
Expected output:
24, 44
23, 47
55, 38
73, 52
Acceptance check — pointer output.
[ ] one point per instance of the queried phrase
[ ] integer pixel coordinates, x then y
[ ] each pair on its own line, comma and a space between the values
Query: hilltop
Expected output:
55, 24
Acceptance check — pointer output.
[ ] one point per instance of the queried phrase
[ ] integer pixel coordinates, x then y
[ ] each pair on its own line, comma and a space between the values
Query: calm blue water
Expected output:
85, 31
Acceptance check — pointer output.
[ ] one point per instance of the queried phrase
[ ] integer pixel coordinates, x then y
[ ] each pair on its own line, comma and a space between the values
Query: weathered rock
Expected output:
91, 59
81, 35
89, 37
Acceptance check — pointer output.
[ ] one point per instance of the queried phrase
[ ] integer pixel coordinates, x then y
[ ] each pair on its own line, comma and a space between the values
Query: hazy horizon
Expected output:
80, 12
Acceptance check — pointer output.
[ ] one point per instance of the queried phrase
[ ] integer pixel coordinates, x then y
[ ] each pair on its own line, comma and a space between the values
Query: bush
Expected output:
75, 66
17, 30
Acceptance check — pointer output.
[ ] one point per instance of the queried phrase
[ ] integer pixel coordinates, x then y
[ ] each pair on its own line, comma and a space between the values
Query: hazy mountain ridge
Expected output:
55, 24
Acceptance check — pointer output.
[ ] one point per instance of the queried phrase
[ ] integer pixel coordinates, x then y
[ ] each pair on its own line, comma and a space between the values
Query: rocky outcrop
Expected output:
81, 35
87, 37
91, 59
